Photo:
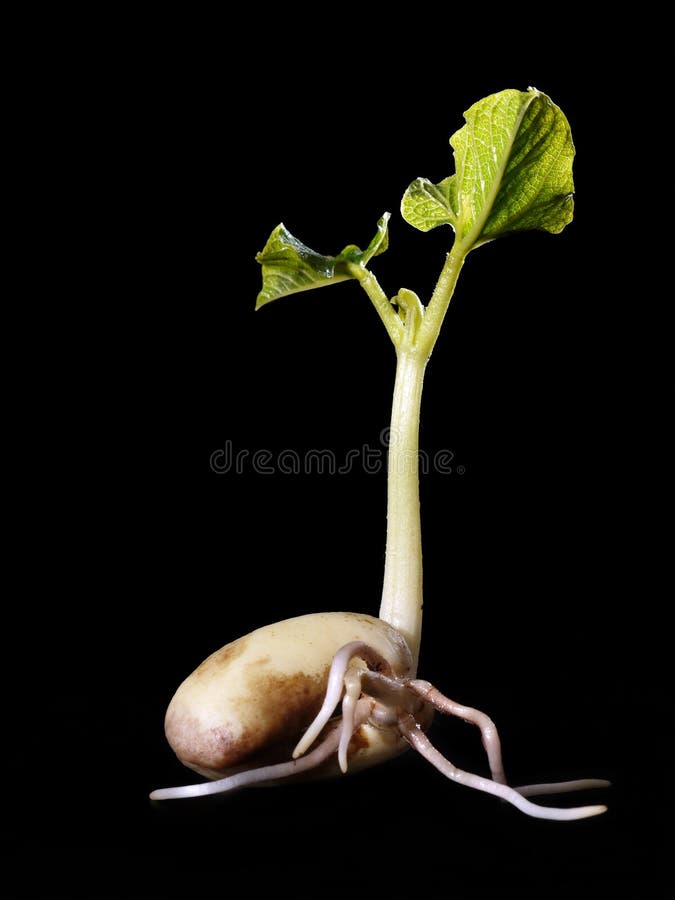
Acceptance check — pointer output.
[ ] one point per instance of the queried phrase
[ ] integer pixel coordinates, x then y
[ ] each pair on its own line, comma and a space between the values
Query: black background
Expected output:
175, 148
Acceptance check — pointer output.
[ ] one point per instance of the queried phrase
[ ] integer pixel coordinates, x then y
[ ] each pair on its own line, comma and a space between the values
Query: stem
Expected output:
401, 604
380, 301
440, 299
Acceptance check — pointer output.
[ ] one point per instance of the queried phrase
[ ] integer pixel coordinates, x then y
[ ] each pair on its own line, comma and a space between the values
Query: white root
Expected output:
266, 774
488, 730
420, 742
395, 693
336, 681
562, 787
349, 703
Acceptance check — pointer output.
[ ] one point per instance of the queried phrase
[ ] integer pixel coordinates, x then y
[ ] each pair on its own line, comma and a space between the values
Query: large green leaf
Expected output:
513, 172
288, 266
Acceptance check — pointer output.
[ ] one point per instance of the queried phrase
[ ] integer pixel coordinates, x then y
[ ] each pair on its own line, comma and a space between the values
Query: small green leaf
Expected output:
378, 244
288, 266
513, 161
409, 302
426, 205
410, 310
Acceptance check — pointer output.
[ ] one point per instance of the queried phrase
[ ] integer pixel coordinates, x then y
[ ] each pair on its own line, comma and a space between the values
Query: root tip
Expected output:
587, 812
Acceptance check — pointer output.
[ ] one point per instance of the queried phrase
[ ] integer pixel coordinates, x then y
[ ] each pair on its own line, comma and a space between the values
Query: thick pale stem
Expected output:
401, 604
402, 591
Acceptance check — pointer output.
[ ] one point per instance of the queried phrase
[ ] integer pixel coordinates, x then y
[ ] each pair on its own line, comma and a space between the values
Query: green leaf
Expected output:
288, 266
426, 205
513, 162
